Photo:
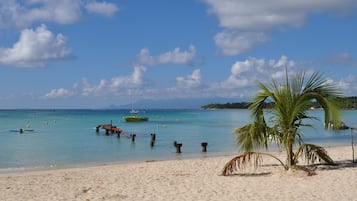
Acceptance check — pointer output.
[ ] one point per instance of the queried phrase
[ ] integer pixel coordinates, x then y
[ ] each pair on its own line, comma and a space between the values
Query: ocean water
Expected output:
68, 138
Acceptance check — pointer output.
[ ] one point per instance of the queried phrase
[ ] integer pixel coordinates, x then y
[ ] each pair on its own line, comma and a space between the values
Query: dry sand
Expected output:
196, 179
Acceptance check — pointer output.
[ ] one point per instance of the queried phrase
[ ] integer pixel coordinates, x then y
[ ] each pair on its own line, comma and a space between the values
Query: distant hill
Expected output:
184, 103
344, 103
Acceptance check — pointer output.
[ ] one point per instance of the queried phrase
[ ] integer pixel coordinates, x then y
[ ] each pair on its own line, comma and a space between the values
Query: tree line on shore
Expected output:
344, 103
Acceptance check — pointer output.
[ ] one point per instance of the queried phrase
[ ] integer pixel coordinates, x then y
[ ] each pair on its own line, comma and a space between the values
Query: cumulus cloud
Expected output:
175, 56
102, 8
241, 83
191, 81
115, 87
348, 85
35, 48
240, 19
135, 80
93, 90
233, 43
24, 13
59, 93
248, 72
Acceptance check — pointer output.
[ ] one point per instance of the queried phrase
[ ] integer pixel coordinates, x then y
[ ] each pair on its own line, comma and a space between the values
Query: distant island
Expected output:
344, 103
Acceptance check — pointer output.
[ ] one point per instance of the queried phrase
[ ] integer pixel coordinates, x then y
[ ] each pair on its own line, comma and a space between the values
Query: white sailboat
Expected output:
134, 117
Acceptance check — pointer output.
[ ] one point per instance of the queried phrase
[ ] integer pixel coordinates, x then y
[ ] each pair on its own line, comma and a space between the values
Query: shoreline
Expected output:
174, 157
186, 179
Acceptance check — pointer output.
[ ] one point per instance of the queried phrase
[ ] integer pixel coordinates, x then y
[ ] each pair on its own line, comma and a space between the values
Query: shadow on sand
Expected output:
309, 169
338, 165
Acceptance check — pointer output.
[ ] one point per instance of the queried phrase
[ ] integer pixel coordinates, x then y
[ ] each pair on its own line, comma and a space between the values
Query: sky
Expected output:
97, 54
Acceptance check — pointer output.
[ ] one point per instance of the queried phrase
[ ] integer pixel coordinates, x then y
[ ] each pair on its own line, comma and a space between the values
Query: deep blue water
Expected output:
64, 138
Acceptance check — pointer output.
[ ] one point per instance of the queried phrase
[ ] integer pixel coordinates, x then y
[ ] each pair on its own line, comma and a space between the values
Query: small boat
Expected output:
134, 112
135, 118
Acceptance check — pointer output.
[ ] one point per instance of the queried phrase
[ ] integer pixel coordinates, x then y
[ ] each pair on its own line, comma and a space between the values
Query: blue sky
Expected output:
93, 54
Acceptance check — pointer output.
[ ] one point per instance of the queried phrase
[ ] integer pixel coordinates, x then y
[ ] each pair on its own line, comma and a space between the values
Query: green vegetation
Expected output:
292, 100
344, 103
241, 105
348, 102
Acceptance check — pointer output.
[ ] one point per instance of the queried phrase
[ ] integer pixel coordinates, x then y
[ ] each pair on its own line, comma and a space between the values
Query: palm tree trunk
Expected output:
290, 154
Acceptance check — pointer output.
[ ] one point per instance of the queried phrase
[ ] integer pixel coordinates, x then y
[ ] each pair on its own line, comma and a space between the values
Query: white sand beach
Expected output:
194, 179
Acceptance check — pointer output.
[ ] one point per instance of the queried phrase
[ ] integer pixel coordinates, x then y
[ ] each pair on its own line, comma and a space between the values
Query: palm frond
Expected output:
325, 93
252, 136
319, 84
292, 100
298, 83
241, 161
255, 136
312, 153
257, 105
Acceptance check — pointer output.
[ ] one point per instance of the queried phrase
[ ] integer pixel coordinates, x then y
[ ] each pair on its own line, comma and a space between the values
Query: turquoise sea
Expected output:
68, 138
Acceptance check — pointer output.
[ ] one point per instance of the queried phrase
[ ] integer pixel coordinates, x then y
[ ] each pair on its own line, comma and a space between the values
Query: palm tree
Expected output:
292, 101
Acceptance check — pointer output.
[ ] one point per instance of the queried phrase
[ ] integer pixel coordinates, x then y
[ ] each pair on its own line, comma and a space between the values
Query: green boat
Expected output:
135, 118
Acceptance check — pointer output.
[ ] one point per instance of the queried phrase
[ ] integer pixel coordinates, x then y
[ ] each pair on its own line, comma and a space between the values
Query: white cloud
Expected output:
239, 19
35, 48
21, 14
94, 90
264, 15
25, 13
189, 86
135, 80
191, 81
247, 73
102, 8
175, 56
241, 83
348, 85
58, 93
117, 85
233, 43
121, 86
247, 65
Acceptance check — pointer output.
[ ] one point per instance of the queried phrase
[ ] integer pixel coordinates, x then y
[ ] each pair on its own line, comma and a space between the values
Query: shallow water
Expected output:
68, 137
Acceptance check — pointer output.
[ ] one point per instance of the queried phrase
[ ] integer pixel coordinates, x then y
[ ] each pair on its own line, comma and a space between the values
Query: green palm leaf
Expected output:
292, 100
